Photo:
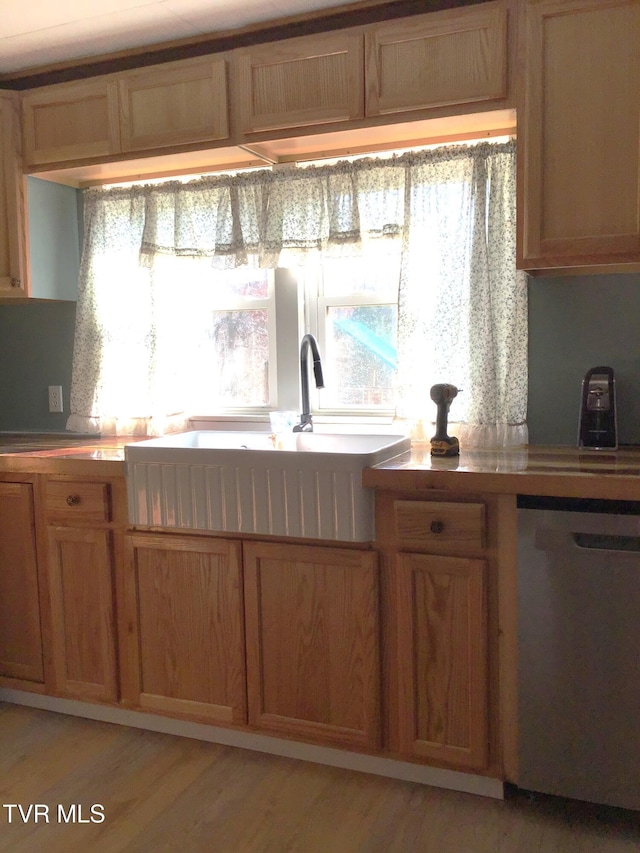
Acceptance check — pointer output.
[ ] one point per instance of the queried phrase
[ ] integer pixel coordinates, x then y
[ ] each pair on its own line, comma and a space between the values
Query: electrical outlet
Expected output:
55, 398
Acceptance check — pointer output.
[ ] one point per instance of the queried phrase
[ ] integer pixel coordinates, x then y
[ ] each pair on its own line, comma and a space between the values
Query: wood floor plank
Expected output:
165, 794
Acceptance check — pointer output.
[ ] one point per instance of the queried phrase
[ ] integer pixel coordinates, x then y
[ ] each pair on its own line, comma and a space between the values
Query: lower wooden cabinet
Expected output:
440, 562
392, 651
83, 613
20, 632
442, 658
183, 646
83, 522
311, 620
312, 642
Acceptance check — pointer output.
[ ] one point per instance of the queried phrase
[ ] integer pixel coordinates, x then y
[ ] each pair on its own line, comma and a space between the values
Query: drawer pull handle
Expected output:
73, 500
437, 526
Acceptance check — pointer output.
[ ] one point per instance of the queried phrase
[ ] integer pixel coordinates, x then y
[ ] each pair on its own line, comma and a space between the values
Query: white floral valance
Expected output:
252, 218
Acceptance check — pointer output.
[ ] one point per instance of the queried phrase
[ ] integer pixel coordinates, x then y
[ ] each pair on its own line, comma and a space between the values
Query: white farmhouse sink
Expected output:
298, 484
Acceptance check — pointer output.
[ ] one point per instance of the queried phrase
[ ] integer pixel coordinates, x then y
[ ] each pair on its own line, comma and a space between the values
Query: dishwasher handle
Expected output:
553, 539
606, 541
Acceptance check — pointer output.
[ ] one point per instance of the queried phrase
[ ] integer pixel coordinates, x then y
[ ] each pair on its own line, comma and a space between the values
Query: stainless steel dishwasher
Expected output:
579, 649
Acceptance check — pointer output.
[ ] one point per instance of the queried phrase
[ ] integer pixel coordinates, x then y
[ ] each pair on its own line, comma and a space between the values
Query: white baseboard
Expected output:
393, 769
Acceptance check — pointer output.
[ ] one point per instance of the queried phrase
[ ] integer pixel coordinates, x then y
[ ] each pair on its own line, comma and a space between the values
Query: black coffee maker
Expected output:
598, 425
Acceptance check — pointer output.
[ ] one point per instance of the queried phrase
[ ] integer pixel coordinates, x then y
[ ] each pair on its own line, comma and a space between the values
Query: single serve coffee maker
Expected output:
598, 425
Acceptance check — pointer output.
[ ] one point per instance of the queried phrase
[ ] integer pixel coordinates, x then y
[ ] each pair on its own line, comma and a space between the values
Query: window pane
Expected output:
361, 356
243, 282
374, 273
240, 359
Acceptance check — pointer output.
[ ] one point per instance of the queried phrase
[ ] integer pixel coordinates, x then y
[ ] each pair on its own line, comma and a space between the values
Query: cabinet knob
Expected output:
15, 282
437, 526
73, 500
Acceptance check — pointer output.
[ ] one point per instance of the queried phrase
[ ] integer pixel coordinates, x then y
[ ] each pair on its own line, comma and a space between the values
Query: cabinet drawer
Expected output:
437, 524
66, 501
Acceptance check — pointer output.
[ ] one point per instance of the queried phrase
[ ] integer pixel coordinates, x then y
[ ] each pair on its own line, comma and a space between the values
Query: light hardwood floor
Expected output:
162, 794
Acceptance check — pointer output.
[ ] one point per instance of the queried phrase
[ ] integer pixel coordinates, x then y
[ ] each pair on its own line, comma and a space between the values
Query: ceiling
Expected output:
35, 33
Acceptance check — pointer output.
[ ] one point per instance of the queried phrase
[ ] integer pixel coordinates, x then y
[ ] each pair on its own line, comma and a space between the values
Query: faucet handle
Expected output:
305, 425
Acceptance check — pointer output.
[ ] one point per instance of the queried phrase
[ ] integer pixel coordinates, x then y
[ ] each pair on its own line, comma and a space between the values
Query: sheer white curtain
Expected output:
462, 309
134, 334
462, 306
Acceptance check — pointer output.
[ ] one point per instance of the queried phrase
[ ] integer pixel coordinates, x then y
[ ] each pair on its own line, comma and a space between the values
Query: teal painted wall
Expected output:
36, 338
54, 239
36, 350
576, 323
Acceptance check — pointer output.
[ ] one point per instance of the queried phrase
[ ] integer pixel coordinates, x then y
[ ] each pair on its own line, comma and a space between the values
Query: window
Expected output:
403, 268
238, 338
349, 304
352, 305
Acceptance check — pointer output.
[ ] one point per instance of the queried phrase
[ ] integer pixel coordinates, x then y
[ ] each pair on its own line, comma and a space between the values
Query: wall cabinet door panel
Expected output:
181, 103
579, 146
185, 646
454, 56
13, 230
442, 659
298, 82
312, 642
20, 631
71, 121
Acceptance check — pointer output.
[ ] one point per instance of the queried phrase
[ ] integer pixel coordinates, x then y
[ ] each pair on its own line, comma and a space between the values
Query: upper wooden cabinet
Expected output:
159, 107
303, 81
430, 65
71, 121
579, 139
184, 102
13, 232
456, 56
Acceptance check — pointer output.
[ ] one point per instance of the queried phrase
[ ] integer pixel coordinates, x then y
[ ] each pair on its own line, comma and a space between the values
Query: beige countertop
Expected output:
54, 453
533, 470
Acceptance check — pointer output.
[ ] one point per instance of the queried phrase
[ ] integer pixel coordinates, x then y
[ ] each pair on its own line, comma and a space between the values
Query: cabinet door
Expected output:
297, 82
182, 103
82, 612
13, 232
20, 634
312, 642
442, 659
71, 121
579, 145
456, 56
185, 646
